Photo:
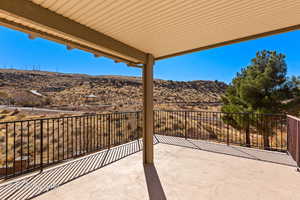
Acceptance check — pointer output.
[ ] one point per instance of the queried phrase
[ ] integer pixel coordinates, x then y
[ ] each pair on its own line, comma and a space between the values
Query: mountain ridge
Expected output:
72, 89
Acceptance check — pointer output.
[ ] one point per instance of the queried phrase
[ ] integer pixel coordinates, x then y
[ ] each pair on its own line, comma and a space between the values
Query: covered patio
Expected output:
139, 33
184, 169
183, 173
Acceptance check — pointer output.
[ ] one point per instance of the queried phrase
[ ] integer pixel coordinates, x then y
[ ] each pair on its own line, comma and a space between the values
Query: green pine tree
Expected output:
261, 87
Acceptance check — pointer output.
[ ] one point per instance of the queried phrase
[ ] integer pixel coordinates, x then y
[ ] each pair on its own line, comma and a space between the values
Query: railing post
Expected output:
41, 143
293, 138
138, 129
185, 124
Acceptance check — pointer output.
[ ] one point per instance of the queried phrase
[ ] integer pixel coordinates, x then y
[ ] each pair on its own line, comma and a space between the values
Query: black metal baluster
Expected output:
6, 149
34, 143
101, 134
122, 132
109, 131
113, 130
87, 131
21, 146
97, 132
257, 130
14, 147
94, 130
80, 135
91, 137
58, 139
72, 135
76, 138
48, 141
63, 138
28, 140
90, 134
53, 141
41, 144
276, 131
68, 138
87, 139
281, 127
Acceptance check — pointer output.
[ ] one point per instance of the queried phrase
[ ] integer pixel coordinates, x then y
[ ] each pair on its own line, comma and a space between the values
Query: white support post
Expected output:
148, 117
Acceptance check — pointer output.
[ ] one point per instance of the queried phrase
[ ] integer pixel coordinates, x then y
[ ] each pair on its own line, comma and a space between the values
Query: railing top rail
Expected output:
139, 111
270, 114
68, 117
293, 117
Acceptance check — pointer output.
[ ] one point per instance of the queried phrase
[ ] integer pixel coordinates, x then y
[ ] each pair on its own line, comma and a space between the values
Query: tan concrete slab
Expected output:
184, 173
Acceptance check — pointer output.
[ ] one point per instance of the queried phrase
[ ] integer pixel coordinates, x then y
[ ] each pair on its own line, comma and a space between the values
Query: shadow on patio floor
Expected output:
155, 189
36, 184
232, 150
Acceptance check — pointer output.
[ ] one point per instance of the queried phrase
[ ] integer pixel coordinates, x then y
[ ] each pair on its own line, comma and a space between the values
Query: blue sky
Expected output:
17, 51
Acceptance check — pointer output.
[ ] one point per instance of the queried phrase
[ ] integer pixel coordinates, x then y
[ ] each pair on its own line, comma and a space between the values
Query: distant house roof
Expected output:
36, 93
91, 96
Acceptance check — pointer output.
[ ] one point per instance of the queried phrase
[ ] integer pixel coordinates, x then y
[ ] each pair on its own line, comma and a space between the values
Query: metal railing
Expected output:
30, 145
35, 144
262, 131
294, 138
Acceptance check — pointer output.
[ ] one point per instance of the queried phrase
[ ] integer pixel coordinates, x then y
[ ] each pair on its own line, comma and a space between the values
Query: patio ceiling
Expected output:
127, 30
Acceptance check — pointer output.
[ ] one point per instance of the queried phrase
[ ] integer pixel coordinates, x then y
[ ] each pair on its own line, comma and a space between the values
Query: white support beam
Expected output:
148, 117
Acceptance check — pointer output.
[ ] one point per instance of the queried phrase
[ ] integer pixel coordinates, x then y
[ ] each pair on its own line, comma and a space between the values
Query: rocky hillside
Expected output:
71, 90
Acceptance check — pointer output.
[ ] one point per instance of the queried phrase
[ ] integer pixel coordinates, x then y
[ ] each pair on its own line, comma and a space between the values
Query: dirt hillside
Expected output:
117, 92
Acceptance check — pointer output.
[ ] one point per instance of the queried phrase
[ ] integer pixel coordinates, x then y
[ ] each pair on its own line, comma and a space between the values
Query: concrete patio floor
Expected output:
185, 169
